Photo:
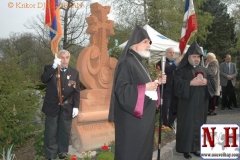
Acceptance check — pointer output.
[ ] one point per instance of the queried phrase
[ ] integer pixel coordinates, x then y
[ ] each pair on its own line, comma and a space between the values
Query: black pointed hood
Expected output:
137, 36
193, 49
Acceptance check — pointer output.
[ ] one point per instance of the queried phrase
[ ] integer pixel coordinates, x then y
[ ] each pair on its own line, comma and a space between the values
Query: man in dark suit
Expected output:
168, 98
228, 74
59, 117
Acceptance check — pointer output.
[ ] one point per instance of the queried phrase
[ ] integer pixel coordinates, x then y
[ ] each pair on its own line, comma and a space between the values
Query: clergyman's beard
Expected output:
194, 63
144, 54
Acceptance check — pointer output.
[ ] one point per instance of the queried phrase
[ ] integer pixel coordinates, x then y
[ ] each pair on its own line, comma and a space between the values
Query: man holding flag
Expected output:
63, 90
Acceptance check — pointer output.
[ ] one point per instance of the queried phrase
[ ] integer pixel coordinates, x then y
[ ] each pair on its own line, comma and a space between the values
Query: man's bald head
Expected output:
228, 58
170, 53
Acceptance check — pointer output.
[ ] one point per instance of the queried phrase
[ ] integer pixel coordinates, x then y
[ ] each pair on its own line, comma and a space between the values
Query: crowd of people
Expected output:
191, 93
196, 90
225, 75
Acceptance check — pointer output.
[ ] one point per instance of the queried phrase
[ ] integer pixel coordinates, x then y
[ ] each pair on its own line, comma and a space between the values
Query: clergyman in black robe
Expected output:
193, 86
134, 100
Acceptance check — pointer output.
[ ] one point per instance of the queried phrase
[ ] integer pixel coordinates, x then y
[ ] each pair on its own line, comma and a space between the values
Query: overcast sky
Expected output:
15, 13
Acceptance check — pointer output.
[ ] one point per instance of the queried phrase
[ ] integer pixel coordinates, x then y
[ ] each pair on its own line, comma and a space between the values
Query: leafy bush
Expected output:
39, 145
115, 52
106, 156
18, 104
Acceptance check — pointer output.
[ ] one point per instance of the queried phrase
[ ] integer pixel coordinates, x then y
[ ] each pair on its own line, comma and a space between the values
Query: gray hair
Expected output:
211, 55
169, 49
62, 51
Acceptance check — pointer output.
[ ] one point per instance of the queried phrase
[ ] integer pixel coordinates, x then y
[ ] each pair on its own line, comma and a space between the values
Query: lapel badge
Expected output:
69, 83
74, 84
68, 76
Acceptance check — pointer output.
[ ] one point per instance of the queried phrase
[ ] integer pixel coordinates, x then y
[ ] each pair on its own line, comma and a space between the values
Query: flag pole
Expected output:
160, 124
53, 22
59, 84
163, 62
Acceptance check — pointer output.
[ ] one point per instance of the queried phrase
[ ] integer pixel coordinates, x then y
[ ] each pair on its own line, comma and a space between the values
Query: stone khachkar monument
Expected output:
91, 129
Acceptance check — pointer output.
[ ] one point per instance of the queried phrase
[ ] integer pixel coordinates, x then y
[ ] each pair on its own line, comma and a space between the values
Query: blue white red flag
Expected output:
53, 22
189, 25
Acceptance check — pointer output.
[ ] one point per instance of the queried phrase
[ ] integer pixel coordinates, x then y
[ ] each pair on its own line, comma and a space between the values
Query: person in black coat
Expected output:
59, 117
169, 100
134, 100
193, 85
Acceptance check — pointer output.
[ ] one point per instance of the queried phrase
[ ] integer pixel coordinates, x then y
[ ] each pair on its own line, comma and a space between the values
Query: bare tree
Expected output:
230, 2
73, 16
74, 24
130, 12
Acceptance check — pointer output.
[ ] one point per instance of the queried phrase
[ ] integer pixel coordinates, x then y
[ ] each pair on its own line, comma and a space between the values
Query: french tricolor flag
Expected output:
189, 25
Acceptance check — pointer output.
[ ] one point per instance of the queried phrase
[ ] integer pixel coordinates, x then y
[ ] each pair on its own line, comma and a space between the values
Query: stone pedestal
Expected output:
91, 136
91, 129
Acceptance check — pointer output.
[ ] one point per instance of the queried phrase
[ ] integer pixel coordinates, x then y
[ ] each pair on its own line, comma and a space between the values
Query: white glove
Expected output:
56, 62
75, 112
152, 95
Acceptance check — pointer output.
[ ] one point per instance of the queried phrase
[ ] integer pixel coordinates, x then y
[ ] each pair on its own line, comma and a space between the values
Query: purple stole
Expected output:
138, 112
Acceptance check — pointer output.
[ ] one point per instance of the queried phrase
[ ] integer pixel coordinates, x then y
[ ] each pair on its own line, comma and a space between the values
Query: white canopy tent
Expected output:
159, 44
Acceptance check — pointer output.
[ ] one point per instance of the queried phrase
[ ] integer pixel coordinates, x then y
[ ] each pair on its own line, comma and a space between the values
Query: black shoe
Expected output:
196, 153
214, 114
209, 113
62, 155
187, 155
230, 107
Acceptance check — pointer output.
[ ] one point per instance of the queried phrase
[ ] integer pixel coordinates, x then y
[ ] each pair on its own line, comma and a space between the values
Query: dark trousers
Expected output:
228, 95
56, 135
167, 110
212, 103
217, 100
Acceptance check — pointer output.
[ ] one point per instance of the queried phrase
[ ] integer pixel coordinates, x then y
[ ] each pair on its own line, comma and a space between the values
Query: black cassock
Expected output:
134, 134
192, 107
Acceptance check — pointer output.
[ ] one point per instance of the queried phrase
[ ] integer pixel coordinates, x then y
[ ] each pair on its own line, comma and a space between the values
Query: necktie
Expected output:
228, 65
